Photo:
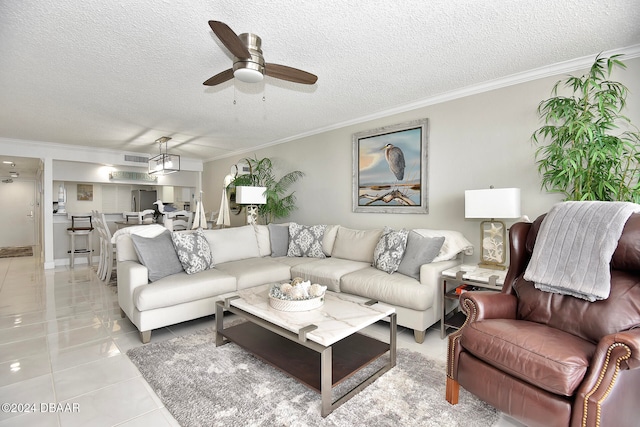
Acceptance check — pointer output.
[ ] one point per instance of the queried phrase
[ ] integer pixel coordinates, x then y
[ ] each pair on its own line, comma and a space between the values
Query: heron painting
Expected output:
390, 169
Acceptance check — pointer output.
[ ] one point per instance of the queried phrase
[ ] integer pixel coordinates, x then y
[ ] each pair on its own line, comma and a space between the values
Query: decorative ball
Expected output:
285, 288
296, 281
317, 290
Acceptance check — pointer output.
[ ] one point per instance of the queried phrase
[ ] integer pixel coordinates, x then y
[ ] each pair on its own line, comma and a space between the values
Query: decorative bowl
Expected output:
278, 302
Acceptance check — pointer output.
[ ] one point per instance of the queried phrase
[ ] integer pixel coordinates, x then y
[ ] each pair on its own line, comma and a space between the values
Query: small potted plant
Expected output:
582, 154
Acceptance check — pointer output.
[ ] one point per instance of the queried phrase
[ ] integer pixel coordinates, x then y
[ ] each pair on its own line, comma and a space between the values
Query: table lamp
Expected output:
251, 196
492, 203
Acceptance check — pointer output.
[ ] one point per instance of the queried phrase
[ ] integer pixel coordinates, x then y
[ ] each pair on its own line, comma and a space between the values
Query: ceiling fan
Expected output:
248, 63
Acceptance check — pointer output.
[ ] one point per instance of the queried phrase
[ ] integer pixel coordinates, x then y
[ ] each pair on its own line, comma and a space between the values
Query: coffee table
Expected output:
321, 348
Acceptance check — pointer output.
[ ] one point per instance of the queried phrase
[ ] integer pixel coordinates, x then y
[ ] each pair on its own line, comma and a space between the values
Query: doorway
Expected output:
21, 194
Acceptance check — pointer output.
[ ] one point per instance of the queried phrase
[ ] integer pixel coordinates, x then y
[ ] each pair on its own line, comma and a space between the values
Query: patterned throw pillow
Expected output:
306, 240
193, 251
389, 250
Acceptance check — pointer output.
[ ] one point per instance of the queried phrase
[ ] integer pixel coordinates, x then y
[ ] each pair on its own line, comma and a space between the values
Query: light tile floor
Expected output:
63, 351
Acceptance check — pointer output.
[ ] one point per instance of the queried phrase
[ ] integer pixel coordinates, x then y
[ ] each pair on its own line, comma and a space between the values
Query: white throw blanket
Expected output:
574, 248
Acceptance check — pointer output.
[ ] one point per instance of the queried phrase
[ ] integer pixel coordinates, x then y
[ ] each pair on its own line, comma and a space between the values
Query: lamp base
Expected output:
252, 214
493, 238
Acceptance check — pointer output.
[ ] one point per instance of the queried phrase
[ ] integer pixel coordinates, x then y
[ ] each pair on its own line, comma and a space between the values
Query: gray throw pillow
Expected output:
157, 254
389, 250
193, 251
306, 240
420, 250
279, 238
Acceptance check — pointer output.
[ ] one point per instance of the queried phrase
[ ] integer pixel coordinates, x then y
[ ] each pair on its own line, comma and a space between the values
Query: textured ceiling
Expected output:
119, 74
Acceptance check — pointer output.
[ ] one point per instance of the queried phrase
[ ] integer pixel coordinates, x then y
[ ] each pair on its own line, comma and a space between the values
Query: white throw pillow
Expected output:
454, 243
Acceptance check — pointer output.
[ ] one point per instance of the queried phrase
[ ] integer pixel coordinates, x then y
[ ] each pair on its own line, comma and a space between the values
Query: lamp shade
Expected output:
251, 195
492, 203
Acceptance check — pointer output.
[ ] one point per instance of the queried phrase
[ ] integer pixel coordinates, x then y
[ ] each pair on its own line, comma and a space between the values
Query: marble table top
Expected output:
341, 315
479, 274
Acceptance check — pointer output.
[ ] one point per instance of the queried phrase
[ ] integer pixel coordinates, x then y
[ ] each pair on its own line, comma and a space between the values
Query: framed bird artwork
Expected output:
390, 169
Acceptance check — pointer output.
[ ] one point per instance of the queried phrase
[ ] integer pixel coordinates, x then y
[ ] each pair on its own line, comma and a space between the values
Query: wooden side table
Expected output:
479, 278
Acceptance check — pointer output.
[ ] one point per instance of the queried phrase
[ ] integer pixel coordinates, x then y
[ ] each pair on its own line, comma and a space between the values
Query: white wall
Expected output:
474, 142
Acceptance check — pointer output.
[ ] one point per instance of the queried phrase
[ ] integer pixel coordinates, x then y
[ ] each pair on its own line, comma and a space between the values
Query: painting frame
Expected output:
85, 192
403, 191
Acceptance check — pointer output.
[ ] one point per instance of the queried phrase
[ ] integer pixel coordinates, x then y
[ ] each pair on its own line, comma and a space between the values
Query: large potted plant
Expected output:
278, 204
587, 149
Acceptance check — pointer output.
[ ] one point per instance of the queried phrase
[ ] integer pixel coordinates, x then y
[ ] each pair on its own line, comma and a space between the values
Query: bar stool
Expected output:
81, 225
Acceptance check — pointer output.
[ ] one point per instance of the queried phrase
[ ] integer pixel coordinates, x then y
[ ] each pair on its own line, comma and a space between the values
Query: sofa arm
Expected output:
430, 277
131, 275
430, 273
615, 354
479, 305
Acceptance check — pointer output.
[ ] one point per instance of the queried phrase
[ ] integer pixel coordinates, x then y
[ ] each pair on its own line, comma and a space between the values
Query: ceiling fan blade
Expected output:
283, 72
230, 39
220, 78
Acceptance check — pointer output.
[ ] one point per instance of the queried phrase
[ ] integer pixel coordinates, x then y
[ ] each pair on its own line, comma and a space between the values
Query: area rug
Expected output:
16, 251
202, 385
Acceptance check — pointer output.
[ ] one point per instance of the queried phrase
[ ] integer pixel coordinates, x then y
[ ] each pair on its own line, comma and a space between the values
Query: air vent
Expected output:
136, 159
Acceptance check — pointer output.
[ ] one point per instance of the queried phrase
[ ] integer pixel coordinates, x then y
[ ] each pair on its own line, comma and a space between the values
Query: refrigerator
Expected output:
143, 199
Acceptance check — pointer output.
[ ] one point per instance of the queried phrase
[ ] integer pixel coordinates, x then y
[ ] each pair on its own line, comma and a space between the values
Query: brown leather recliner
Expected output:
548, 359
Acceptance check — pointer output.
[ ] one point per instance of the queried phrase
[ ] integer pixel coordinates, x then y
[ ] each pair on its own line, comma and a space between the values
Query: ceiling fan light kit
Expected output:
250, 70
248, 63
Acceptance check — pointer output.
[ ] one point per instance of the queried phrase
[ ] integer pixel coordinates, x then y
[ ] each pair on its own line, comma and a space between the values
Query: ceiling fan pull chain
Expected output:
234, 94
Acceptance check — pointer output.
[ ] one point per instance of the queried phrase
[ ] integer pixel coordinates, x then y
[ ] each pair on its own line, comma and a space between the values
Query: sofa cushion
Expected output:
420, 250
388, 253
256, 271
182, 288
454, 243
329, 239
306, 241
545, 357
262, 235
327, 271
193, 251
356, 245
279, 238
232, 244
293, 261
157, 254
396, 289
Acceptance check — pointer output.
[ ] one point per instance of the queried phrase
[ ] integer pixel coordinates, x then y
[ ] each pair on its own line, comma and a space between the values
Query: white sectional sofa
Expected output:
249, 256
